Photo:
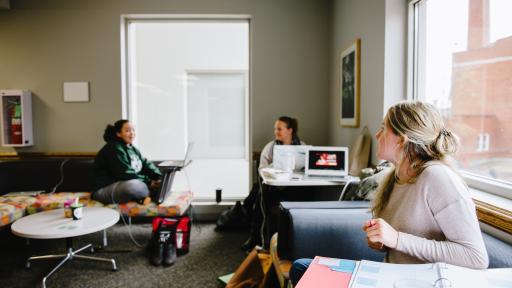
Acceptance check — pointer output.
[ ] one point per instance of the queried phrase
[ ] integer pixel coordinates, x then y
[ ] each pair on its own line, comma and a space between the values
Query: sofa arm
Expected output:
284, 218
329, 232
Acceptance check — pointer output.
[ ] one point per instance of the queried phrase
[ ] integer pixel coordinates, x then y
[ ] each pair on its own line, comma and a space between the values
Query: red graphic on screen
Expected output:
326, 159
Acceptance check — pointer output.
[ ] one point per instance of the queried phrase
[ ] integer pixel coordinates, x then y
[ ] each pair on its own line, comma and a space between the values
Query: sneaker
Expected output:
169, 253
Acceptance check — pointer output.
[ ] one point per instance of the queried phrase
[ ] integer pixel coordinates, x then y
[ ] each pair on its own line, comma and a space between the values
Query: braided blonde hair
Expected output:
426, 139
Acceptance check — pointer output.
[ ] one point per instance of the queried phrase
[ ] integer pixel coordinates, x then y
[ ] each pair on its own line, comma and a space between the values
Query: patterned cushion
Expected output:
49, 201
175, 205
18, 201
10, 213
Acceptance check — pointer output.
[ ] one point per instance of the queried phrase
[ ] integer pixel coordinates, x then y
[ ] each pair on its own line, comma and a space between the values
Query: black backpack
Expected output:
233, 218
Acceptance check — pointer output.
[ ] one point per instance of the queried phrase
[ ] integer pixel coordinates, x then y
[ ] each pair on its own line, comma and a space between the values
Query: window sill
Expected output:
493, 210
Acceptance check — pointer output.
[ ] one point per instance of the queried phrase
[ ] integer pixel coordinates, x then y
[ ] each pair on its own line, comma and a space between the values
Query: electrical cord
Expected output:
344, 190
128, 225
122, 218
264, 216
189, 189
61, 169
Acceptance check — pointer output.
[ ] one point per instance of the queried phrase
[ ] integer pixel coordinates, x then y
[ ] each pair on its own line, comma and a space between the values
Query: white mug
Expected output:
289, 163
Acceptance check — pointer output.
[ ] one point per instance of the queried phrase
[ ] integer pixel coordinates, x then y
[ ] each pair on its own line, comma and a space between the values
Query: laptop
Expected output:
281, 155
179, 163
329, 163
170, 168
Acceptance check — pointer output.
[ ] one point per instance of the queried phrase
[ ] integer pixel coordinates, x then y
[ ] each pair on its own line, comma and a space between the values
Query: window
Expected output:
462, 63
187, 80
483, 142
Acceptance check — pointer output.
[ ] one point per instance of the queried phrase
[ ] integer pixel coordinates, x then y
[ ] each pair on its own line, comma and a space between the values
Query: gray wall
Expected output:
45, 43
380, 24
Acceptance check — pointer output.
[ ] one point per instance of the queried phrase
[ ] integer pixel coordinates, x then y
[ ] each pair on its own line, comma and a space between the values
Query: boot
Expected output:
156, 255
169, 252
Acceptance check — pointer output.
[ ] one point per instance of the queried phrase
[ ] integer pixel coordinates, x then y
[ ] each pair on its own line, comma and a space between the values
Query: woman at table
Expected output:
285, 133
122, 174
423, 212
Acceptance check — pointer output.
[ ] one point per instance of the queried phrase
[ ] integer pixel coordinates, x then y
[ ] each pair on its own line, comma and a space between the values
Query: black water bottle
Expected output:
218, 195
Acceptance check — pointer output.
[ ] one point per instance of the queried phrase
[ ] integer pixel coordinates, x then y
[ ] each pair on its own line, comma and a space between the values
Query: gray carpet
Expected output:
211, 254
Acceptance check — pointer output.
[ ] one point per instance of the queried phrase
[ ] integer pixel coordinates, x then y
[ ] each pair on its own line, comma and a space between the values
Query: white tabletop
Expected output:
53, 225
299, 179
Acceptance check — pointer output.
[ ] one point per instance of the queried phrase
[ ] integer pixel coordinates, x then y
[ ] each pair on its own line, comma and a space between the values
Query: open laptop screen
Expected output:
327, 161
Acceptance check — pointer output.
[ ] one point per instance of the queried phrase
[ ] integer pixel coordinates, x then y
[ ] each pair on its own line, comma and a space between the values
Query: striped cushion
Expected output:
52, 201
10, 213
175, 205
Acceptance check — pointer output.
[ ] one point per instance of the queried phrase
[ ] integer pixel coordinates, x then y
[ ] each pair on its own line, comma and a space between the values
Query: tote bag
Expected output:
360, 152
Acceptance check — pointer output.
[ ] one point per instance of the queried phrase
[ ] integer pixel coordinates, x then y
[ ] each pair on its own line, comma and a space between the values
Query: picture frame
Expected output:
350, 79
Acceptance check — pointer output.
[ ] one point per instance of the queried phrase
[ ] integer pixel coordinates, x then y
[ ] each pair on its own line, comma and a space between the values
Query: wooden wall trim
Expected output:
494, 216
44, 155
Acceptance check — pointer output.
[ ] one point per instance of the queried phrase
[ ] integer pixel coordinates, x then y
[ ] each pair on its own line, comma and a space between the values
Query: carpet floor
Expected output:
212, 254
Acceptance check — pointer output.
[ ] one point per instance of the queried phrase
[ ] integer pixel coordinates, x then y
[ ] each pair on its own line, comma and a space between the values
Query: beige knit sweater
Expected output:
436, 220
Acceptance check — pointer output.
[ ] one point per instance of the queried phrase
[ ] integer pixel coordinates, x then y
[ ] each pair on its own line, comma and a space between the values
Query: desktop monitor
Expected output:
281, 154
327, 161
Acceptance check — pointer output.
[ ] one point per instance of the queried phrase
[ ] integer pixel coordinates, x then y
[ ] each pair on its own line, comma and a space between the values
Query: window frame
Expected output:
415, 82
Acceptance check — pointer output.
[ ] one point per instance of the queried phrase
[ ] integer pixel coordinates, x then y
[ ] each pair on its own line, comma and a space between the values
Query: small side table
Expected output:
53, 225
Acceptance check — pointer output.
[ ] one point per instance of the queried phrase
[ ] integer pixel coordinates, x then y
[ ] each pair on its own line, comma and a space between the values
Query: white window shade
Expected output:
216, 114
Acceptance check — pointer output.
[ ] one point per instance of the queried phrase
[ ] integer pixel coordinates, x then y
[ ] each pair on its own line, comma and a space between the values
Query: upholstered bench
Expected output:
14, 207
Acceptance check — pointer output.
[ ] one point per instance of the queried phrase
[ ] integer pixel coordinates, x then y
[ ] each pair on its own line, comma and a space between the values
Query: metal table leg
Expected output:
69, 256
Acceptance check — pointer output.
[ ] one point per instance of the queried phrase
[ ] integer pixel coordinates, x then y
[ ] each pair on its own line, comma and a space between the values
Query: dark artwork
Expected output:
348, 84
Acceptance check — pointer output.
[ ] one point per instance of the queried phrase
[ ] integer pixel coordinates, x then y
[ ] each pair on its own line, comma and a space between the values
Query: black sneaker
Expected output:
169, 253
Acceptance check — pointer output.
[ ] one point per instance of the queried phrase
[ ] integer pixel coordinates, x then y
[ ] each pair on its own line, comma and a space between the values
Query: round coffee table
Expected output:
53, 225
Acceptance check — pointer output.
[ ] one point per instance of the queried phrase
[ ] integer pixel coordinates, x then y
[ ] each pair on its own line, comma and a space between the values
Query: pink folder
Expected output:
324, 276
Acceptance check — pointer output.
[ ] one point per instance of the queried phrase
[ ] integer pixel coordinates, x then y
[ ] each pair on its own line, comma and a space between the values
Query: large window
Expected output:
462, 63
187, 80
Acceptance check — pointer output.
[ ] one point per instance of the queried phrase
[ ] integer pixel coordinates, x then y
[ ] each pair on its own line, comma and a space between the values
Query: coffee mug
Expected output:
76, 211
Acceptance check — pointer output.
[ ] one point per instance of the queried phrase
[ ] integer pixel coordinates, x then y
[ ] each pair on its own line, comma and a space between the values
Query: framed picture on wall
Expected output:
350, 85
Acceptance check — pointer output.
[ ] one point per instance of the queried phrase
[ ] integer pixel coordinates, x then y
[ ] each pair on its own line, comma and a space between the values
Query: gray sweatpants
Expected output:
122, 191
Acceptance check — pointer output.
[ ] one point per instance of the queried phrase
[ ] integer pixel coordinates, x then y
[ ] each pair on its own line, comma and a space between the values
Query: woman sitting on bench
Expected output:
122, 174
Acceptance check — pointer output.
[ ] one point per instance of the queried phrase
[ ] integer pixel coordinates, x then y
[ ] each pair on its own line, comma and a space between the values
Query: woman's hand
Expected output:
155, 184
380, 232
375, 245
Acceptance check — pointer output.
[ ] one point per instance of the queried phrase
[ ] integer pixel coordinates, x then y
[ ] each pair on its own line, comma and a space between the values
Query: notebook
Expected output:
342, 273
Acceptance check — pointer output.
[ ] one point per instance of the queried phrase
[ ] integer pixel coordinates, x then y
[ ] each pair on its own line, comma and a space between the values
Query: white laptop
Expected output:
328, 162
179, 163
283, 152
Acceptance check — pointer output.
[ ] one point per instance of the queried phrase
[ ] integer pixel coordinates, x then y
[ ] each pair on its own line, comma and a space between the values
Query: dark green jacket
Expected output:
119, 161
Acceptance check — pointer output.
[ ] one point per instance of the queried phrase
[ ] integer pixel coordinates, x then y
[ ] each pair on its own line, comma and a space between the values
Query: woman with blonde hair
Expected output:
423, 212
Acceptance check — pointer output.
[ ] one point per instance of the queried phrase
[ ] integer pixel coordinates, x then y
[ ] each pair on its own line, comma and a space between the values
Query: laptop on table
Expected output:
170, 167
282, 152
327, 163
